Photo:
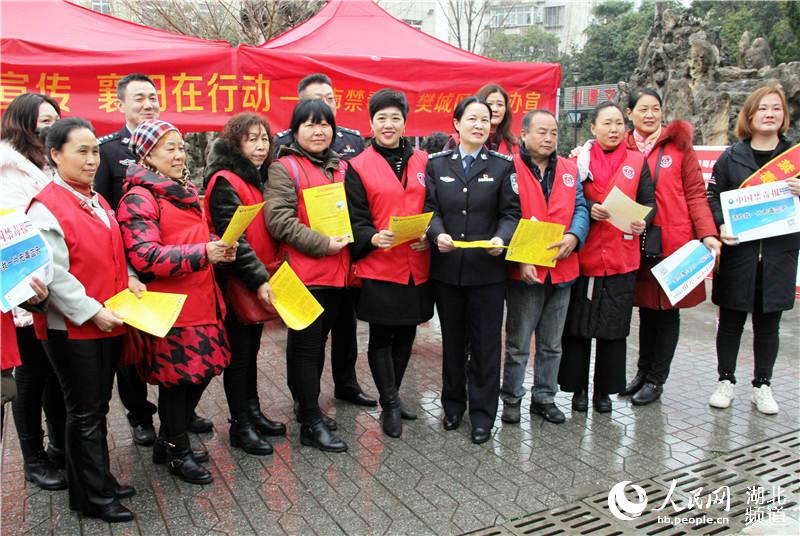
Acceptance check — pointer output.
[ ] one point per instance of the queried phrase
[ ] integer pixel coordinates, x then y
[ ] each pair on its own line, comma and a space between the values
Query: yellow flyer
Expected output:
154, 312
241, 219
327, 210
296, 305
476, 244
530, 241
624, 210
408, 228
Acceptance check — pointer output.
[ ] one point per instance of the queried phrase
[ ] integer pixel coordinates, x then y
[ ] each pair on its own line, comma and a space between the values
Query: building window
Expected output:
516, 16
102, 6
554, 16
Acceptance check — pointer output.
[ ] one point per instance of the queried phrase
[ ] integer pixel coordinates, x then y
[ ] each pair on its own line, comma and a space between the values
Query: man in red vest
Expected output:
537, 297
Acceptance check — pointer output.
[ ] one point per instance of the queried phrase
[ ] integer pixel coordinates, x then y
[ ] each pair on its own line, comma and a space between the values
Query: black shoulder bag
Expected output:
651, 237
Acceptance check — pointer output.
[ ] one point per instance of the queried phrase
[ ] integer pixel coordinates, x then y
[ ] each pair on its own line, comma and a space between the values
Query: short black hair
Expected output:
602, 106
458, 113
315, 78
387, 98
435, 142
526, 119
313, 110
59, 133
122, 85
637, 94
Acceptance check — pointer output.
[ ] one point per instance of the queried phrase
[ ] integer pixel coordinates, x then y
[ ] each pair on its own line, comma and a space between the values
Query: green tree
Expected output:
532, 44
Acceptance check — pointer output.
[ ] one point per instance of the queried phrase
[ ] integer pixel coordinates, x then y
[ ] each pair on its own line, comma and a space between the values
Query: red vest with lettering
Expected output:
96, 255
609, 251
328, 270
387, 197
559, 209
186, 226
264, 246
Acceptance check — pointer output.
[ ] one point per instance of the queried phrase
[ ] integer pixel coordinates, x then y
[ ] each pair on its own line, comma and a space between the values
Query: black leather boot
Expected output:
635, 384
182, 464
243, 435
328, 421
392, 422
602, 402
316, 434
41, 471
382, 367
261, 423
160, 453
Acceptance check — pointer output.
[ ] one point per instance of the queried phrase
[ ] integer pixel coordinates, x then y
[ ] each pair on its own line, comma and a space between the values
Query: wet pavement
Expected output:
430, 481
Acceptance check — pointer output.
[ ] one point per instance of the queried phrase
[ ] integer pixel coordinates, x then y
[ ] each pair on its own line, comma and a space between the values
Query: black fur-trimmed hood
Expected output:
222, 157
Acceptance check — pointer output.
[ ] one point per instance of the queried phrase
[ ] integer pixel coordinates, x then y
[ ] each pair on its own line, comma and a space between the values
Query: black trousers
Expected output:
133, 394
389, 353
609, 364
658, 338
471, 318
176, 404
241, 376
344, 348
85, 370
766, 340
37, 389
305, 351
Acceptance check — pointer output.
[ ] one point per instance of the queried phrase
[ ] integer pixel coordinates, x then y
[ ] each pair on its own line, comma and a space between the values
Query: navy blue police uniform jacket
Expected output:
115, 157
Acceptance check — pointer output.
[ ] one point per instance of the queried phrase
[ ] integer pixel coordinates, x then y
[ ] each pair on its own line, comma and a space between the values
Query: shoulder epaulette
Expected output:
108, 137
350, 131
501, 155
440, 153
283, 133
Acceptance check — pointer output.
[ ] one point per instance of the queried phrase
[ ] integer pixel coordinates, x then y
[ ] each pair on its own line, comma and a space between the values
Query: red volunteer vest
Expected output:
9, 351
609, 251
328, 270
672, 212
264, 246
185, 226
559, 209
387, 197
96, 255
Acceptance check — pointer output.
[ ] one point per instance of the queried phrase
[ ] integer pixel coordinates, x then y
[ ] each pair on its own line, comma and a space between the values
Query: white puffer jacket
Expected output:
20, 181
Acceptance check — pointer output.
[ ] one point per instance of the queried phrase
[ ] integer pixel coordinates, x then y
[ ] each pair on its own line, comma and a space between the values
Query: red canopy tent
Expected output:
77, 55
363, 48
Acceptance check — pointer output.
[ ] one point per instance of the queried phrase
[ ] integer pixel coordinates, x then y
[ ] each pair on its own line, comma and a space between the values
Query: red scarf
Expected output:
603, 164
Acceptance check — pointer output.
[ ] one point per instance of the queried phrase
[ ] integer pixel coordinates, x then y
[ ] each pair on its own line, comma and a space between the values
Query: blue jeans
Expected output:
541, 309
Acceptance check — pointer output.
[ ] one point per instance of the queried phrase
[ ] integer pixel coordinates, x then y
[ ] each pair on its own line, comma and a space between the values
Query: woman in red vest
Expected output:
236, 175
601, 301
81, 337
168, 243
759, 276
500, 138
682, 215
321, 262
388, 179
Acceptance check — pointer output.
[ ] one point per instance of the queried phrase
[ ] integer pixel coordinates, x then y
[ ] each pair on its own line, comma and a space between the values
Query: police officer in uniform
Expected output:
473, 194
344, 348
137, 99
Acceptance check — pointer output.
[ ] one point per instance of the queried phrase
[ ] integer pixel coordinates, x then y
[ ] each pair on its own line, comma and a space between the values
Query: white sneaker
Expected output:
762, 398
723, 396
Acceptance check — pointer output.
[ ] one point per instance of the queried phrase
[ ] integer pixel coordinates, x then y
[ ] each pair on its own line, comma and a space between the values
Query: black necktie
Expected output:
468, 160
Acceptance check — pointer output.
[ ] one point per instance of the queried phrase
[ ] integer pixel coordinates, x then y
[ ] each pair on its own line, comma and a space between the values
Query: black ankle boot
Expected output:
580, 401
56, 455
602, 402
243, 435
182, 464
160, 453
316, 434
392, 421
41, 471
261, 423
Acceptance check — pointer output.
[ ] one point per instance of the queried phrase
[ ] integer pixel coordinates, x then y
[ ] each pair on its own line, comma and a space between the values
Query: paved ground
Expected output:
430, 481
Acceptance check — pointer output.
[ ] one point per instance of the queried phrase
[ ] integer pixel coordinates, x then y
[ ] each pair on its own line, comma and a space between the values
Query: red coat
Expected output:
609, 251
559, 209
328, 270
682, 210
96, 255
9, 351
388, 197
